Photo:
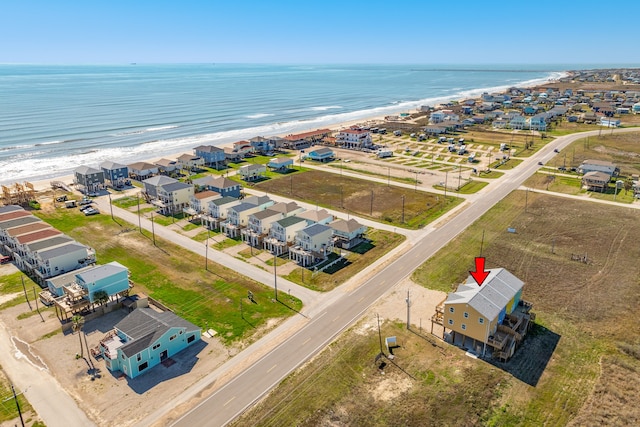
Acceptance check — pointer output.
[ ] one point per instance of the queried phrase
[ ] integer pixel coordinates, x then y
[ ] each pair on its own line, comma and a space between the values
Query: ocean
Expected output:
54, 118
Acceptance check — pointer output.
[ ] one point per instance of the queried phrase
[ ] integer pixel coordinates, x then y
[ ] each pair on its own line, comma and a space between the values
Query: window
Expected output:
481, 320
172, 337
155, 347
139, 357
466, 315
451, 321
451, 309
191, 338
463, 326
143, 366
181, 332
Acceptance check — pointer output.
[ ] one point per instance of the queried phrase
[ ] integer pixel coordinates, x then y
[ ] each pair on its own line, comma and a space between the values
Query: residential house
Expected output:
517, 122
218, 209
354, 138
190, 162
221, 185
323, 154
317, 216
252, 172
598, 166
436, 117
261, 145
89, 179
212, 155
144, 339
173, 197
609, 122
151, 185
280, 164
58, 260
115, 173
312, 244
488, 317
596, 180
244, 148
112, 278
23, 253
232, 156
538, 122
287, 208
54, 286
348, 234
636, 108
435, 129
282, 234
259, 226
238, 215
142, 170
7, 225
166, 166
199, 202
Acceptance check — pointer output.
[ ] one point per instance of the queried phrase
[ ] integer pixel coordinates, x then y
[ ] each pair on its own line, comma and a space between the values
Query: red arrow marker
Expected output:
479, 275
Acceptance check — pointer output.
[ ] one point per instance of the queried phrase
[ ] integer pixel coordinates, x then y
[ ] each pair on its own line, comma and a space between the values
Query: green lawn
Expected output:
208, 298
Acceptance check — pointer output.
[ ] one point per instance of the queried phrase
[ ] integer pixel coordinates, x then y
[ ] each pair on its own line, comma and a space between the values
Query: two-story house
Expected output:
218, 209
89, 179
312, 244
221, 185
115, 173
316, 216
282, 234
61, 259
354, 138
144, 339
259, 226
199, 202
252, 172
189, 162
213, 156
238, 215
173, 197
488, 317
347, 234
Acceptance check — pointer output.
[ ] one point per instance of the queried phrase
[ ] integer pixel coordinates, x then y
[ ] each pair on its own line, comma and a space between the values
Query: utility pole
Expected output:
388, 176
35, 298
459, 176
111, 207
15, 397
153, 230
371, 209
275, 274
482, 243
25, 293
206, 252
403, 208
139, 222
526, 199
408, 300
380, 334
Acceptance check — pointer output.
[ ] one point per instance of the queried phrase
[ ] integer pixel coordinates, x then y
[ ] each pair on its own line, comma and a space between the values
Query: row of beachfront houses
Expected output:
65, 268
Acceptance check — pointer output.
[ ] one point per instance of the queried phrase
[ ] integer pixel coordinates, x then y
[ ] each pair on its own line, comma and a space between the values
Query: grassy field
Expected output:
355, 261
177, 278
364, 198
586, 329
8, 409
12, 284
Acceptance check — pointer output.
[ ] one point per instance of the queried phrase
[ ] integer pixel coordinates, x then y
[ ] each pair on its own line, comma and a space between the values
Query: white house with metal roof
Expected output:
312, 244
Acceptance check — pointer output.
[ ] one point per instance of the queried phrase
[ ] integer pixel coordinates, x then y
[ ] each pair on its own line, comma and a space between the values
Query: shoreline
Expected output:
42, 184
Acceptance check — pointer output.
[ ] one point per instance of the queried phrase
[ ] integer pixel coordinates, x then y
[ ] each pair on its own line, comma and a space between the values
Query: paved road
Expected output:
237, 395
42, 390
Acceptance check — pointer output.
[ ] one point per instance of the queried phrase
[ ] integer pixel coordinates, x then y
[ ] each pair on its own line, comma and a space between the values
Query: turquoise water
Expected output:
55, 118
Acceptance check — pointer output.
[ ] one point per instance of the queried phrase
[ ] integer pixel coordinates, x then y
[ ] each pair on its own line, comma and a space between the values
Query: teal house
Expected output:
323, 154
144, 339
112, 278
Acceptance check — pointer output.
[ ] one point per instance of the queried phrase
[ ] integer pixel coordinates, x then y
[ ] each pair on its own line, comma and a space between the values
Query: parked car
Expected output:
91, 211
61, 199
93, 194
541, 164
85, 201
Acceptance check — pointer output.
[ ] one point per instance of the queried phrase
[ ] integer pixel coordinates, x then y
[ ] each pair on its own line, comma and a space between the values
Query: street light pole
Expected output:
111, 207
206, 252
153, 230
408, 300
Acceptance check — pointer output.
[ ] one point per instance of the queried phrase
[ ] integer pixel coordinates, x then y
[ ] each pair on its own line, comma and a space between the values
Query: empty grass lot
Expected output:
363, 198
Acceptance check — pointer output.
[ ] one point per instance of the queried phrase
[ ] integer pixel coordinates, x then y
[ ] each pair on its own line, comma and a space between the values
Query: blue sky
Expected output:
328, 31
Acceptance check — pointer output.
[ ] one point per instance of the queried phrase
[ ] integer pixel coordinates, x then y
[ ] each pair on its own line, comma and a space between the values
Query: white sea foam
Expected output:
258, 115
325, 108
161, 128
49, 143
